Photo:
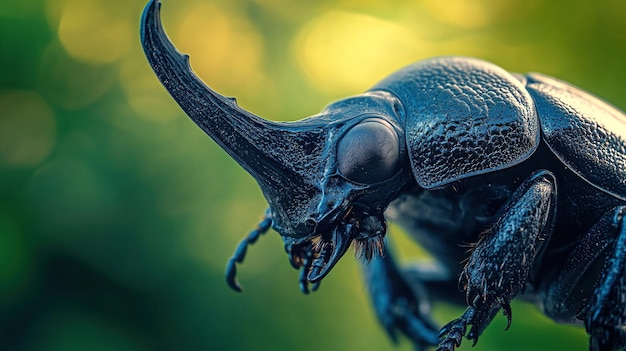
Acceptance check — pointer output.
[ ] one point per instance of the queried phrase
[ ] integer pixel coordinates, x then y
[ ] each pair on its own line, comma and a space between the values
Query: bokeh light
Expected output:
335, 48
27, 128
95, 31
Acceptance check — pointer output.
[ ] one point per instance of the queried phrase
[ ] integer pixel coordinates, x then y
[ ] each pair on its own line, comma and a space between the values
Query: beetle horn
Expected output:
256, 144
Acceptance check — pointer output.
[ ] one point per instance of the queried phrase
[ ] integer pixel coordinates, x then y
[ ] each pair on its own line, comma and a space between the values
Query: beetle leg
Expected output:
592, 284
606, 314
500, 264
399, 305
242, 248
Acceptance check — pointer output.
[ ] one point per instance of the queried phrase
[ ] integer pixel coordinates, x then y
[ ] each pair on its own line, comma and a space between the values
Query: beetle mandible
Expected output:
529, 169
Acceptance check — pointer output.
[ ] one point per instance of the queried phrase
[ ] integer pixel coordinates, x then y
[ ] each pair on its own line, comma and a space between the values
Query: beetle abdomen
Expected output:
587, 134
463, 117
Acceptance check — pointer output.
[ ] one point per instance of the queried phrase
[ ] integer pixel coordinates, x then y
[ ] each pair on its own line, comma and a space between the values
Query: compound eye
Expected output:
369, 152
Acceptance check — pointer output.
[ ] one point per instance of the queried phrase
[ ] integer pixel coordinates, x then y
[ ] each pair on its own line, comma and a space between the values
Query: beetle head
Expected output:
360, 171
327, 178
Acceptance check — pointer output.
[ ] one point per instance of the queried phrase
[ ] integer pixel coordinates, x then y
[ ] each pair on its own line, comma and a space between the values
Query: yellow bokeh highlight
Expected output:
223, 46
461, 13
345, 52
472, 14
27, 129
92, 31
144, 94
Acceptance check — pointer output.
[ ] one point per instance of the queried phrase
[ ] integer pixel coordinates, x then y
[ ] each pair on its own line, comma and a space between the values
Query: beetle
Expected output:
516, 183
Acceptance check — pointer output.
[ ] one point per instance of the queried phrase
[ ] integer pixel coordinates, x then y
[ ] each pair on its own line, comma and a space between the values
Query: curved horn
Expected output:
250, 140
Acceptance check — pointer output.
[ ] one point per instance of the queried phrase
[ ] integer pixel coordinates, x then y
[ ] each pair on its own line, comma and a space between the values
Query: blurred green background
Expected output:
117, 214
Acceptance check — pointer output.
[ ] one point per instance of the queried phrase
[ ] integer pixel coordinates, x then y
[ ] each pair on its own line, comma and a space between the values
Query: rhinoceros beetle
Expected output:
515, 183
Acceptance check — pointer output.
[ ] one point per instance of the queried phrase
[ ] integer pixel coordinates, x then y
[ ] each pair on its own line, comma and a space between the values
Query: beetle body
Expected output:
529, 171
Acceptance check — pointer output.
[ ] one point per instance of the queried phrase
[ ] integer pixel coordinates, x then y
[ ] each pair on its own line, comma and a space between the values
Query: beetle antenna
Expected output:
242, 248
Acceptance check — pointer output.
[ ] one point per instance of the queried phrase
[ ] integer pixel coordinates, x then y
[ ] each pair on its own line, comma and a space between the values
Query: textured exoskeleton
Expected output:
528, 170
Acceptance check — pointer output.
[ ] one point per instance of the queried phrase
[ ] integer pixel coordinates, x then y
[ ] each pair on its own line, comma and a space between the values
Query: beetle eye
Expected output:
369, 152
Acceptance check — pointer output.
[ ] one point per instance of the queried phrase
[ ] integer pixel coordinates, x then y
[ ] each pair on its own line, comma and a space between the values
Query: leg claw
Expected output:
453, 332
478, 317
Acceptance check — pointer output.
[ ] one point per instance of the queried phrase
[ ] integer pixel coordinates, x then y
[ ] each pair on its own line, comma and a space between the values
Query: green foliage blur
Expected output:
117, 214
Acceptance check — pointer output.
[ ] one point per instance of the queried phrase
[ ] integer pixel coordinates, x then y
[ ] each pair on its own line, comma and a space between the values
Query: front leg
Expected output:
399, 305
499, 265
